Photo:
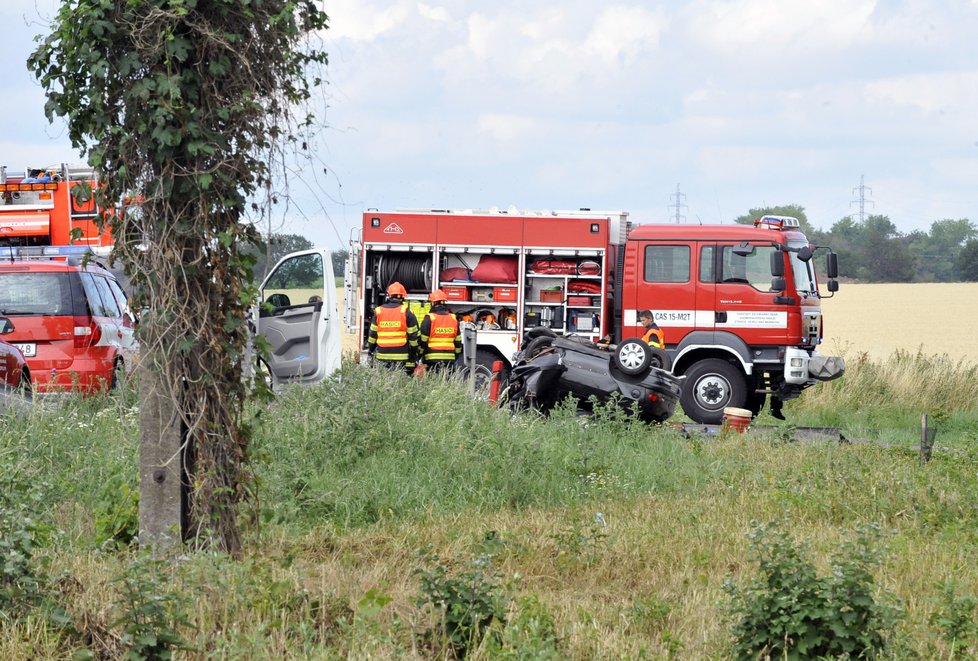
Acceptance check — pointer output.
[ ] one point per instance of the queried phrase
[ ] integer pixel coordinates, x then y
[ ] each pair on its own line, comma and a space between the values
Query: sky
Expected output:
719, 105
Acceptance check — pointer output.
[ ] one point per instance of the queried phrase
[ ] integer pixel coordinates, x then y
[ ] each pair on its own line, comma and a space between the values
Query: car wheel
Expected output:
710, 386
535, 346
118, 374
660, 359
633, 357
25, 386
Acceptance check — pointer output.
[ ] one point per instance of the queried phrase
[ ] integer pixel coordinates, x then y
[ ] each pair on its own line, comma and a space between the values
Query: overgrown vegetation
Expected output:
399, 519
789, 611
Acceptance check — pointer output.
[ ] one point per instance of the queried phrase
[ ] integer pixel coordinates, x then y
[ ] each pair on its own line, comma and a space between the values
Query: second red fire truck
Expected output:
739, 305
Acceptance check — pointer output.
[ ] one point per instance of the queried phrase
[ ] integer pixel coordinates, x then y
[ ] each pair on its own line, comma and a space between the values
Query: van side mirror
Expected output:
832, 265
777, 264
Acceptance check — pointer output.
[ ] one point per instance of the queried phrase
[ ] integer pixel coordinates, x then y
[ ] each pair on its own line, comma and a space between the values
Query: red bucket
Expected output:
736, 419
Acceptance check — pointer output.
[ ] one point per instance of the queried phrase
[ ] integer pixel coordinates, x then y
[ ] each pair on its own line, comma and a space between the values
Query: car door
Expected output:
127, 325
297, 315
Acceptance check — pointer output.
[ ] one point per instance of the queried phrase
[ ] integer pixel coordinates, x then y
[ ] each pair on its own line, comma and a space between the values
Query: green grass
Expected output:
607, 538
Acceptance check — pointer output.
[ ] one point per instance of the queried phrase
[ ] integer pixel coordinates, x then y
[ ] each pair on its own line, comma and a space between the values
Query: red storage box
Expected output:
504, 294
551, 296
455, 293
578, 300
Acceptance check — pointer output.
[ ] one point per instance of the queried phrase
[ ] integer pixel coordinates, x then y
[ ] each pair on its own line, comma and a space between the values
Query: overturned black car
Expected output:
551, 367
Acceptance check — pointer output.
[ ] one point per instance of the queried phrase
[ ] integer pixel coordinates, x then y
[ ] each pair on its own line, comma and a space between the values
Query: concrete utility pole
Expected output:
862, 188
678, 205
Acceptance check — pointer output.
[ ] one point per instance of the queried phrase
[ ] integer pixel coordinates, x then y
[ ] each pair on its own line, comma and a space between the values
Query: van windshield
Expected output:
45, 294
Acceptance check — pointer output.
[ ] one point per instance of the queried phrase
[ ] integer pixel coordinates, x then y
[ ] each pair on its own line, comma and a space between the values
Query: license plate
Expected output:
28, 349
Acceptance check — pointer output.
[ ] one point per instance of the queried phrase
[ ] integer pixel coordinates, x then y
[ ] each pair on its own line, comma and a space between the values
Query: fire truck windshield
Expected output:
804, 272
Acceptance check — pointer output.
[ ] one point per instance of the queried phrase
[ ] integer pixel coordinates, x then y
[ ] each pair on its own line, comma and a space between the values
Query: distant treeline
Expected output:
873, 250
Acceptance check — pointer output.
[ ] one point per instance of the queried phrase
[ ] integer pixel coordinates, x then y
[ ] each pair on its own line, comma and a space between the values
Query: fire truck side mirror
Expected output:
778, 284
777, 264
804, 253
833, 286
744, 249
832, 265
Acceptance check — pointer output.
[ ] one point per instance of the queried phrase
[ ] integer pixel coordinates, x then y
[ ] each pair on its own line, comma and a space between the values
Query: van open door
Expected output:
298, 316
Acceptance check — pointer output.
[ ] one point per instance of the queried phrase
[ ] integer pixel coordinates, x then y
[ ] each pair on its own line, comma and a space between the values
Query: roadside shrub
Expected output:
149, 613
955, 619
466, 600
22, 582
789, 612
117, 515
530, 634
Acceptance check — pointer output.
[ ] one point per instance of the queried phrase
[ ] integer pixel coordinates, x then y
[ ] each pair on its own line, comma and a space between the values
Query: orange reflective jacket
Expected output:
442, 340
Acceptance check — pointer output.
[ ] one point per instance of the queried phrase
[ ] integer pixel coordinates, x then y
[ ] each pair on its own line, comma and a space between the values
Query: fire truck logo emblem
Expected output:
393, 228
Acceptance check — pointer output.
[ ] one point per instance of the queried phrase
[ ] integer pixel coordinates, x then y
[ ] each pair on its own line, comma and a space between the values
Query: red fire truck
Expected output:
739, 305
41, 208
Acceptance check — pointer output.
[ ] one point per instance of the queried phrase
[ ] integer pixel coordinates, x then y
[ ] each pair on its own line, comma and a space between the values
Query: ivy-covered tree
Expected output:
183, 105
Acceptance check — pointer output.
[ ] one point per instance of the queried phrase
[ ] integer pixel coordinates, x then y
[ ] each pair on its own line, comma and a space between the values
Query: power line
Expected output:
862, 188
678, 205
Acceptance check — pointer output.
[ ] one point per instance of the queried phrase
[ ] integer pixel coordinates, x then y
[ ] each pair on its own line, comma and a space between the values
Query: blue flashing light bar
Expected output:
52, 252
778, 222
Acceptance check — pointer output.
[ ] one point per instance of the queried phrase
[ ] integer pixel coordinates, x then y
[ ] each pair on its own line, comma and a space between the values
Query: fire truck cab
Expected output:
739, 305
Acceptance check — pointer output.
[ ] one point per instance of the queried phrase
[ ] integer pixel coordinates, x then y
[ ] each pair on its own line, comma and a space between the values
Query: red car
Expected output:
71, 321
15, 375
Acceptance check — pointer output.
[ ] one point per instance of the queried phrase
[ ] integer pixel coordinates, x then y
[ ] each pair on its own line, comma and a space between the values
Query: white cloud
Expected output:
438, 14
930, 94
360, 21
778, 28
624, 33
507, 128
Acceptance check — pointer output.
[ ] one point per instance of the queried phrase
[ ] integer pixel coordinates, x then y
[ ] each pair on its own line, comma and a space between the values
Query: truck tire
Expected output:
633, 357
710, 386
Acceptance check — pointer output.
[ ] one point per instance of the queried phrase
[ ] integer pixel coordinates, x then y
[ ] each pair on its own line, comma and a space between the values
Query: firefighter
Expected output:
441, 336
393, 338
653, 334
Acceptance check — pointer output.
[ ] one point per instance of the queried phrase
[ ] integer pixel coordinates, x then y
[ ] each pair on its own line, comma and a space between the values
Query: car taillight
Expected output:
87, 332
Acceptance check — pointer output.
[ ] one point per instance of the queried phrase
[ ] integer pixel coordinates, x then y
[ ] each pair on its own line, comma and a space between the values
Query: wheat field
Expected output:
878, 319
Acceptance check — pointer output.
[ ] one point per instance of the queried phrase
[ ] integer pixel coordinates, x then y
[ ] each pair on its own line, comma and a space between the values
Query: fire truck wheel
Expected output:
710, 386
660, 359
633, 357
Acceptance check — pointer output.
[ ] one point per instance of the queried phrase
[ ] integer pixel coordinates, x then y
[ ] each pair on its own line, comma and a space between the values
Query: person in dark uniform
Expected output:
441, 336
393, 337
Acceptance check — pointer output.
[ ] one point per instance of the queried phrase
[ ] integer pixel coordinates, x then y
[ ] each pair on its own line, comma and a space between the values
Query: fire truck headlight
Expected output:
796, 362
